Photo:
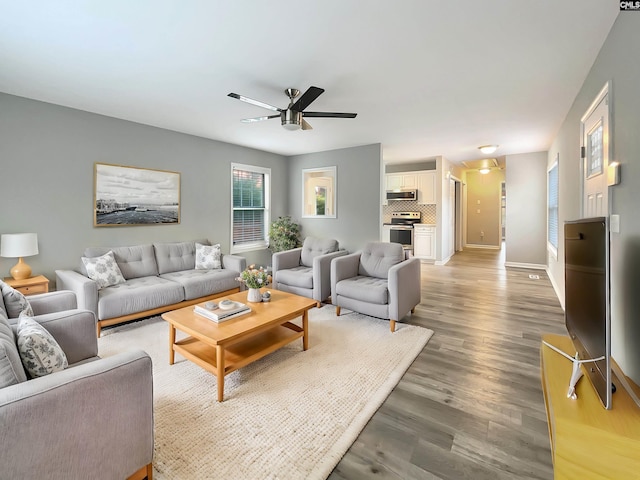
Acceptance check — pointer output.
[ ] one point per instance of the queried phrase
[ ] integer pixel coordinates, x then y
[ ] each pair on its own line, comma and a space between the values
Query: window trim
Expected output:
247, 247
550, 246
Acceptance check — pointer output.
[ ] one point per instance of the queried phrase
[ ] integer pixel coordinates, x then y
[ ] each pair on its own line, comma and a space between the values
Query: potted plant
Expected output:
284, 234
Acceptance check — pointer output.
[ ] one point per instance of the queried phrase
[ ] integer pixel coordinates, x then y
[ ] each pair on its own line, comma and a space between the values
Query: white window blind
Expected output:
552, 206
250, 215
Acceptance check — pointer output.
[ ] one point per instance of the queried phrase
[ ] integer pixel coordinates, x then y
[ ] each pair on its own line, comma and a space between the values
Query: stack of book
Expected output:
219, 315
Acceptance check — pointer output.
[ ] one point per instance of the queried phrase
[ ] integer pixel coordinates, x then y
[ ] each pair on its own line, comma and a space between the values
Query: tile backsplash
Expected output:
428, 212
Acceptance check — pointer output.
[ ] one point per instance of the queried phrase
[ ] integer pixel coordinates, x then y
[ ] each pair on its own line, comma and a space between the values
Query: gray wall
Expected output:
358, 195
526, 216
47, 156
617, 63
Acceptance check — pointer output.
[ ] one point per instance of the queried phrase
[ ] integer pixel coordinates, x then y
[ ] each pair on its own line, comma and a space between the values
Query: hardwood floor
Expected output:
471, 404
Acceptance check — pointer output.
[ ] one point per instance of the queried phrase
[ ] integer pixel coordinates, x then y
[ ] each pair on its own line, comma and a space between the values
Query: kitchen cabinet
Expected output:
395, 181
424, 241
386, 233
426, 184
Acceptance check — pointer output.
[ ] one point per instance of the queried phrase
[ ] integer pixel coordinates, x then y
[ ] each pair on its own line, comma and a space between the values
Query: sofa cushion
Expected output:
14, 301
103, 270
312, 247
378, 257
174, 257
296, 277
208, 257
39, 351
11, 369
137, 295
364, 288
134, 262
200, 283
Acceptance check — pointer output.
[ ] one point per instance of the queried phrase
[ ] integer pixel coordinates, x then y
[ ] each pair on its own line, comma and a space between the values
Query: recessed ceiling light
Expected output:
484, 171
488, 149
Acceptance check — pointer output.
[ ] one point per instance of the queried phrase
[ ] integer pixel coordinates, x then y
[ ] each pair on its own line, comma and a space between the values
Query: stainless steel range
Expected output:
401, 228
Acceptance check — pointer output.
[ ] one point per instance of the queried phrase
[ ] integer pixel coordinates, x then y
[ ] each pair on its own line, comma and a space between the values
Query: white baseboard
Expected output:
556, 289
534, 266
490, 247
443, 262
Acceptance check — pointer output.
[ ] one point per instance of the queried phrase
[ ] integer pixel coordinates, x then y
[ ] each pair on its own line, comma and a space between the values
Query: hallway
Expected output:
471, 405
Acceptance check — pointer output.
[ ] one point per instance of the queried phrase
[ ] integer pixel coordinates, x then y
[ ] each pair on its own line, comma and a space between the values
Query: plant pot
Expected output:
254, 295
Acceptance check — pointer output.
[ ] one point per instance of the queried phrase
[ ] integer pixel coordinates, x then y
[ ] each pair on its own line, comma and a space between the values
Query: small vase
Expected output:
254, 295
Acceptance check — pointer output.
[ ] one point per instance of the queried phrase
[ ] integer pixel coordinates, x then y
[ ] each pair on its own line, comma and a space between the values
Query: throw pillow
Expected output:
208, 257
103, 270
39, 351
14, 301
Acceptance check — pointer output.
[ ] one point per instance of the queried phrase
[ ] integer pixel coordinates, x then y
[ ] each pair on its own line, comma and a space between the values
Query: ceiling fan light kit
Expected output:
291, 118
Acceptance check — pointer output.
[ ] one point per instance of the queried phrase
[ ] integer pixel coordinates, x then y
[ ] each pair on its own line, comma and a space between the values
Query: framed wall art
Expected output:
135, 196
319, 192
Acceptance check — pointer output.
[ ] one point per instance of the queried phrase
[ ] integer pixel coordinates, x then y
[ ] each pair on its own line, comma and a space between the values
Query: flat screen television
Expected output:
587, 304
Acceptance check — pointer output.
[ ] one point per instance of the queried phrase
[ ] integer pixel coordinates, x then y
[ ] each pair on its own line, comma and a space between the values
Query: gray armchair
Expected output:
92, 420
376, 281
306, 271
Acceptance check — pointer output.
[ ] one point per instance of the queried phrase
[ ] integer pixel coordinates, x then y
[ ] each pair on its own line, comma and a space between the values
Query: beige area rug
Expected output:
291, 415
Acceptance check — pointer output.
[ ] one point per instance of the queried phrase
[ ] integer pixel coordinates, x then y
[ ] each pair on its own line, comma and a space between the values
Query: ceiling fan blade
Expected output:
258, 119
305, 125
329, 114
307, 97
254, 102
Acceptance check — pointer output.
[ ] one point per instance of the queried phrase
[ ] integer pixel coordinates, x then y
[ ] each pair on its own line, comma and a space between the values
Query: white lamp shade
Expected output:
14, 245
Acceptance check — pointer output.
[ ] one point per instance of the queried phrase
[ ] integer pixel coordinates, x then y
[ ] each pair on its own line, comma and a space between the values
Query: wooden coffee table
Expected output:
222, 348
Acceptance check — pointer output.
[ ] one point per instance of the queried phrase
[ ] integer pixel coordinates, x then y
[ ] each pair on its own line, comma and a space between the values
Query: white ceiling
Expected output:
426, 77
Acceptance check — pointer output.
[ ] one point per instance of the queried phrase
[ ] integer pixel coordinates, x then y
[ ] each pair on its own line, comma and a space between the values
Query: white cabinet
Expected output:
426, 183
395, 181
386, 233
424, 241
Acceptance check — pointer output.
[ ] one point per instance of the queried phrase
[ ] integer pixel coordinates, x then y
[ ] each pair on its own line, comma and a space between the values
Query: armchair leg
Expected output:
392, 325
145, 472
413, 310
337, 311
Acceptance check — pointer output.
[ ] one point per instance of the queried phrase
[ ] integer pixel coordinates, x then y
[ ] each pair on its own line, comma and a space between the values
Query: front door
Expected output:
595, 148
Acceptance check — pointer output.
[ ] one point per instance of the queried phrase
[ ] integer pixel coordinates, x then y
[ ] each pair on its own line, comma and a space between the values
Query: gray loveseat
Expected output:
92, 420
159, 277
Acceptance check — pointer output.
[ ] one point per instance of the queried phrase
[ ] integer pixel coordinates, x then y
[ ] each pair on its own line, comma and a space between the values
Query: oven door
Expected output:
402, 235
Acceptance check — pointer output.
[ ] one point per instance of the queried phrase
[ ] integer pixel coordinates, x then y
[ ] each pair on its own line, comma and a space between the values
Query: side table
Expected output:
29, 286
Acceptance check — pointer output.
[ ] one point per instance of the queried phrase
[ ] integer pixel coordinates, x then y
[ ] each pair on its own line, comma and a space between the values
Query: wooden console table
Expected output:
587, 441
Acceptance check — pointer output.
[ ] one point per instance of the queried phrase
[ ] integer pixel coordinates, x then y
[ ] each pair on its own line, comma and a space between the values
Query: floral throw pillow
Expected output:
103, 270
208, 257
14, 301
39, 351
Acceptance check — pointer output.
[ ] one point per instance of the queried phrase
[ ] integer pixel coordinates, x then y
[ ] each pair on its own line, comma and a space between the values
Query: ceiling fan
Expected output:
291, 117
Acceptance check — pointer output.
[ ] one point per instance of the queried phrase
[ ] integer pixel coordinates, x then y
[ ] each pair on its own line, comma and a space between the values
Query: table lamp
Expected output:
18, 245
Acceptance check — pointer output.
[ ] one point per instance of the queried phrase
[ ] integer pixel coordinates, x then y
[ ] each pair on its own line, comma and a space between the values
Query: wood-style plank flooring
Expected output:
471, 404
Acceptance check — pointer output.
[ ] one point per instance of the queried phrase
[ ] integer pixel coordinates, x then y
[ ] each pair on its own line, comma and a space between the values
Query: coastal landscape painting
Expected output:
135, 196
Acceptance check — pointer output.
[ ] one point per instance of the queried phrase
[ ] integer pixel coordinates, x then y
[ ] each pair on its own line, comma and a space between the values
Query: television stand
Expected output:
587, 441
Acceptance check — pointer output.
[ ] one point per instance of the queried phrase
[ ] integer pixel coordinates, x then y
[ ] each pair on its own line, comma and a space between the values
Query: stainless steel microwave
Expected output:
404, 194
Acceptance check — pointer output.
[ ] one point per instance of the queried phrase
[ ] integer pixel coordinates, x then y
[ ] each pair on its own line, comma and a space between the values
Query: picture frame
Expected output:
128, 196
319, 192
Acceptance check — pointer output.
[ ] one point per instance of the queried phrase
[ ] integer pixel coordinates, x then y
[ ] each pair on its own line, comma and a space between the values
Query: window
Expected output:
250, 197
552, 208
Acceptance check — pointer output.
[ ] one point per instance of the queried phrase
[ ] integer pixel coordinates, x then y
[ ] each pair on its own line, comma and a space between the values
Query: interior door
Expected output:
595, 148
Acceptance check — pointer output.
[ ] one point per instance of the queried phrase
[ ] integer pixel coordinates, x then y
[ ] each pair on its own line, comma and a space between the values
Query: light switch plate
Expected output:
614, 223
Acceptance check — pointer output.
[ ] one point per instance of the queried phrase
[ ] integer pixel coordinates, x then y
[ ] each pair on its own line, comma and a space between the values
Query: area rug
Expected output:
291, 415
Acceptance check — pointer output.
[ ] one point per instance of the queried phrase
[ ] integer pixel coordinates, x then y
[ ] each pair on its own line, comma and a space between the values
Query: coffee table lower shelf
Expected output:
221, 360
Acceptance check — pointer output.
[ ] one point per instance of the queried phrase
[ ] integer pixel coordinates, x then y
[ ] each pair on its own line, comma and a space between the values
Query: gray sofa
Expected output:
159, 277
92, 420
